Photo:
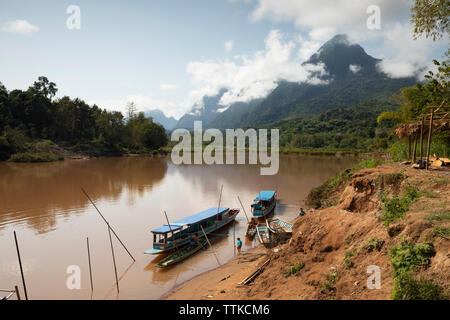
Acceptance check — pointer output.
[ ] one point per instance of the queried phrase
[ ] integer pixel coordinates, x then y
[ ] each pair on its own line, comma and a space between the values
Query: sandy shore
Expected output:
222, 282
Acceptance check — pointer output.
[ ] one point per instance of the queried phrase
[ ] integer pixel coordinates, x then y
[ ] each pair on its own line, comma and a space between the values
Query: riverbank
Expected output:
391, 216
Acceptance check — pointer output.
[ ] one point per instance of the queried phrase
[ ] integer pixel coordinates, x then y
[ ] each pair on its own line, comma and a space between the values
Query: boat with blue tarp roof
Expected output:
264, 203
181, 232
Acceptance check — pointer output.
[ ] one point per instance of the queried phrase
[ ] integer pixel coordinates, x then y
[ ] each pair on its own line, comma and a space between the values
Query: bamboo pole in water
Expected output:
114, 259
170, 228
20, 264
115, 234
17, 292
89, 260
248, 220
210, 245
220, 198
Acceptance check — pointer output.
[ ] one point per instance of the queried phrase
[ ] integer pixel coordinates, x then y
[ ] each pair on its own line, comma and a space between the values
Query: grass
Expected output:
439, 231
349, 239
396, 207
408, 287
328, 285
320, 196
348, 258
441, 216
294, 269
373, 244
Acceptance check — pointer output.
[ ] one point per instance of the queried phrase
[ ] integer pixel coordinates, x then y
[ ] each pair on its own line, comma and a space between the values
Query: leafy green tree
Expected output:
430, 17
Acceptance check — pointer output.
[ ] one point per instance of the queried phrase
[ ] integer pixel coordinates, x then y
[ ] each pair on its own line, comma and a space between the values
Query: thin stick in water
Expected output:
248, 220
210, 245
107, 223
21, 269
114, 259
90, 269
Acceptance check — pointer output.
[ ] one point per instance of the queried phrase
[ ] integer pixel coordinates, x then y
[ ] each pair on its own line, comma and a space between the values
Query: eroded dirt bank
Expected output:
331, 248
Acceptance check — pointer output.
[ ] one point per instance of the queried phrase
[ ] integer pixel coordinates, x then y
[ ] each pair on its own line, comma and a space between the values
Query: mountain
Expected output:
352, 77
158, 116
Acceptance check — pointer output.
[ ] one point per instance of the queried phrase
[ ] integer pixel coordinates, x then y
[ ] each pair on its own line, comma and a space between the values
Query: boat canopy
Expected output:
211, 212
265, 195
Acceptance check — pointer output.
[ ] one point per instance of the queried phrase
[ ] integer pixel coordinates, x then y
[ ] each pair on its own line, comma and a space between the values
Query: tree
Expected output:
131, 110
430, 17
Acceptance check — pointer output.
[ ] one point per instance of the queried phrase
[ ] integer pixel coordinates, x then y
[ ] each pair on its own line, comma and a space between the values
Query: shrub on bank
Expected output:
35, 157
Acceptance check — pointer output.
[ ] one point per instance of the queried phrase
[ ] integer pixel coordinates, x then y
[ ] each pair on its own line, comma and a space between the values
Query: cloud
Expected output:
228, 46
20, 26
167, 86
354, 68
143, 103
251, 77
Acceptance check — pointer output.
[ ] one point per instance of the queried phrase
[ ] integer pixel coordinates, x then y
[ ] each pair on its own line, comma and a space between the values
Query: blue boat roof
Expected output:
265, 195
211, 212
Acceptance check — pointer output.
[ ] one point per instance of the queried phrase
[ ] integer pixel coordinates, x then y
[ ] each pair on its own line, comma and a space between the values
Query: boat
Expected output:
263, 234
264, 204
181, 254
179, 233
277, 225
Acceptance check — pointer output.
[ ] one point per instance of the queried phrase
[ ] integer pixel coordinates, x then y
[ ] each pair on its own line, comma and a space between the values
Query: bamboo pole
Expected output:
90, 269
220, 199
234, 239
170, 228
210, 245
115, 234
20, 264
421, 138
409, 147
17, 292
114, 259
248, 220
415, 147
429, 139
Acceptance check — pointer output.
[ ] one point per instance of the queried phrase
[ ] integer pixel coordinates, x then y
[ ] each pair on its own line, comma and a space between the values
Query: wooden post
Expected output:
421, 138
114, 259
17, 292
248, 220
430, 129
234, 238
210, 245
409, 147
107, 223
170, 228
89, 260
415, 147
20, 264
220, 198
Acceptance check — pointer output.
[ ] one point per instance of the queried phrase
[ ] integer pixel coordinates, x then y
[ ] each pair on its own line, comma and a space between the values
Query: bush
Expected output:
406, 257
35, 157
395, 208
373, 244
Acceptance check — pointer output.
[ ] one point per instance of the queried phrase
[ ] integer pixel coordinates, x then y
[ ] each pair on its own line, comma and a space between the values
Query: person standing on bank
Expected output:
239, 245
301, 213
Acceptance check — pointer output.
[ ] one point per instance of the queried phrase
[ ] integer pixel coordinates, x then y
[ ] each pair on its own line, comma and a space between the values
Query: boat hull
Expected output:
267, 211
181, 254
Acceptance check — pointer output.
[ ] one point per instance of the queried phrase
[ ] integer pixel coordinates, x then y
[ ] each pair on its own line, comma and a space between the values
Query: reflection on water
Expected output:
52, 217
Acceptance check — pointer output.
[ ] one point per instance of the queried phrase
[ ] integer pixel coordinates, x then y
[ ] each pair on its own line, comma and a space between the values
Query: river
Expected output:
44, 204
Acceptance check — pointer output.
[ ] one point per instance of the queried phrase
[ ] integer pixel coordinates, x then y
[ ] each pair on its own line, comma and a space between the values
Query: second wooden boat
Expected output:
263, 234
181, 254
277, 225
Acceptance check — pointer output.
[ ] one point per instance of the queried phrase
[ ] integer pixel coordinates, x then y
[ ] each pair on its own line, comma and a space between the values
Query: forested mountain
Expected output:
352, 77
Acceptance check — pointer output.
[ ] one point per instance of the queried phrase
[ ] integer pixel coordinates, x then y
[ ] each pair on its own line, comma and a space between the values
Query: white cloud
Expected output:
404, 56
354, 68
228, 46
20, 26
252, 77
143, 103
167, 86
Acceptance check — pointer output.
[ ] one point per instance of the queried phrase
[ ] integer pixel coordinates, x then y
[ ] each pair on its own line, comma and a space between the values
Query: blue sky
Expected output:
168, 54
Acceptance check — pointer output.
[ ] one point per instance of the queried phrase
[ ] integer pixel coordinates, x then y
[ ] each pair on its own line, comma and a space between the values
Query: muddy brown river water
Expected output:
43, 203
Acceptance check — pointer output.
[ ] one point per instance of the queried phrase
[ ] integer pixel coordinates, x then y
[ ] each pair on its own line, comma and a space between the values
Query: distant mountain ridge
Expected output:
352, 75
159, 117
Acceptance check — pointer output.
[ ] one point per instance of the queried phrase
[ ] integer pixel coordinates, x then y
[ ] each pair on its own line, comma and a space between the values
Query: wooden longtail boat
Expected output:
263, 234
277, 225
264, 204
180, 232
181, 254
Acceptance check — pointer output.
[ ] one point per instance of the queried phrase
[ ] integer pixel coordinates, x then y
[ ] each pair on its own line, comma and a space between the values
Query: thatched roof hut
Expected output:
413, 128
